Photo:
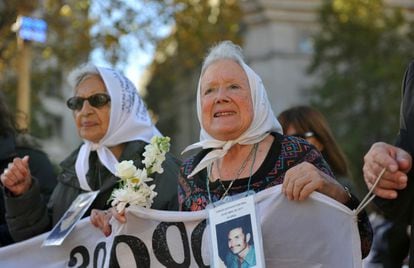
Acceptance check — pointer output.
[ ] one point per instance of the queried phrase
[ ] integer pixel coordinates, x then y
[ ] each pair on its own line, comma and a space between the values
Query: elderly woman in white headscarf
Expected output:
242, 143
114, 124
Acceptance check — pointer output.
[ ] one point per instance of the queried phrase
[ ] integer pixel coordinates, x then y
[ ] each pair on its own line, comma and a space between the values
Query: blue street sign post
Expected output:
27, 29
32, 29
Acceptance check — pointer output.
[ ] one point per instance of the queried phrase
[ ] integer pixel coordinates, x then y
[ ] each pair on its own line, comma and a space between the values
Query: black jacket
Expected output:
40, 168
401, 209
29, 217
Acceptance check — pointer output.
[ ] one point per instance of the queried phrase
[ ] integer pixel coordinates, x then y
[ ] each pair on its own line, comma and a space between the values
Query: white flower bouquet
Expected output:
134, 189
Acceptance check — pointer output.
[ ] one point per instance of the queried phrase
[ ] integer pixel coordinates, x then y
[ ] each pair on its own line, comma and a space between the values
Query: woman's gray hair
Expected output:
223, 50
77, 75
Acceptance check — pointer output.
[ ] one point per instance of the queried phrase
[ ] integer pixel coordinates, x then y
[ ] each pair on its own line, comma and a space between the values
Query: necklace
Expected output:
242, 167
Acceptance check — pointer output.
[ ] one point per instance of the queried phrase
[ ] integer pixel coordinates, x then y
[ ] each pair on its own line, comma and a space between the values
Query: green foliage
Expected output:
360, 54
121, 24
75, 28
68, 44
197, 26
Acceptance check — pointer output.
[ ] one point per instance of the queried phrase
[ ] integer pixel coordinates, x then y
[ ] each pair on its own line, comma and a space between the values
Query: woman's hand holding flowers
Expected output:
133, 190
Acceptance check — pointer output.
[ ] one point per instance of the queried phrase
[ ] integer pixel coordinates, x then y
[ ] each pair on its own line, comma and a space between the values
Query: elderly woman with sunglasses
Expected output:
242, 145
114, 124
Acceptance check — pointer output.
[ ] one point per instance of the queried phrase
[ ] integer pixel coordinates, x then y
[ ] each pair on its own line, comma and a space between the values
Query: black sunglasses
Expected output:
305, 135
96, 100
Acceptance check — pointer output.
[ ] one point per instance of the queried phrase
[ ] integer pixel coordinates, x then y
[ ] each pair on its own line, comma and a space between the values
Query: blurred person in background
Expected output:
308, 123
114, 124
15, 144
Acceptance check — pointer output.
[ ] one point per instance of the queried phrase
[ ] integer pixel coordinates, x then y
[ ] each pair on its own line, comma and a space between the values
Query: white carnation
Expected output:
143, 197
120, 197
125, 169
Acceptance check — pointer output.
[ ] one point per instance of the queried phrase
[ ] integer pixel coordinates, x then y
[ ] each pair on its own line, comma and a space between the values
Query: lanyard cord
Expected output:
209, 170
251, 167
368, 198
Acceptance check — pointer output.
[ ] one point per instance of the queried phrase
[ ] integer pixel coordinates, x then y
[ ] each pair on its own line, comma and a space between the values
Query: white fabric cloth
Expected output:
129, 120
264, 121
318, 232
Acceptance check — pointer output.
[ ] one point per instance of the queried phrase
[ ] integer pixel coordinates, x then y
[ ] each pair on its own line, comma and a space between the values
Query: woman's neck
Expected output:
241, 161
117, 150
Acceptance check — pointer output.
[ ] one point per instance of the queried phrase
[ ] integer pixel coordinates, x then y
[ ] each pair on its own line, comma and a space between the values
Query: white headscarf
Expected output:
129, 120
263, 122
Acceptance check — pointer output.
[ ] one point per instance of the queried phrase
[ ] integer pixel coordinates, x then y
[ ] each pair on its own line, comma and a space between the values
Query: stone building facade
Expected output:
278, 45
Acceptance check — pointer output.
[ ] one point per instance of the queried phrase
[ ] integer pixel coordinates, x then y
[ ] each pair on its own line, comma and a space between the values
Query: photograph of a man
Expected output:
237, 247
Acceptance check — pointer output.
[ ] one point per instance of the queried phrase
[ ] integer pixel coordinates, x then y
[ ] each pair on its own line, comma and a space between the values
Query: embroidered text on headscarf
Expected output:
129, 120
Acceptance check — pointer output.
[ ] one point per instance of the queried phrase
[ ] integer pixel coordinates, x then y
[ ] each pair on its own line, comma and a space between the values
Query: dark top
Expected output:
27, 220
285, 152
40, 167
401, 209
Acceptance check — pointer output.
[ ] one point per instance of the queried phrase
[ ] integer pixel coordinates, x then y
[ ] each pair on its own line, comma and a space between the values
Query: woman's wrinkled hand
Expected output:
303, 179
100, 219
16, 177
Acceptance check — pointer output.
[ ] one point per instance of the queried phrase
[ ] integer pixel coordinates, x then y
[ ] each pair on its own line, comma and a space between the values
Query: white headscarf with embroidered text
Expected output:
129, 121
262, 124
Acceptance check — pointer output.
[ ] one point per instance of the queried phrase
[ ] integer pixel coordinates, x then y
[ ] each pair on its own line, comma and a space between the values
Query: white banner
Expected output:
318, 232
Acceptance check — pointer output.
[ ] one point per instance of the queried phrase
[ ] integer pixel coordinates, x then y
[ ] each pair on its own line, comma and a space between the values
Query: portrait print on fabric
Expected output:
235, 241
236, 235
